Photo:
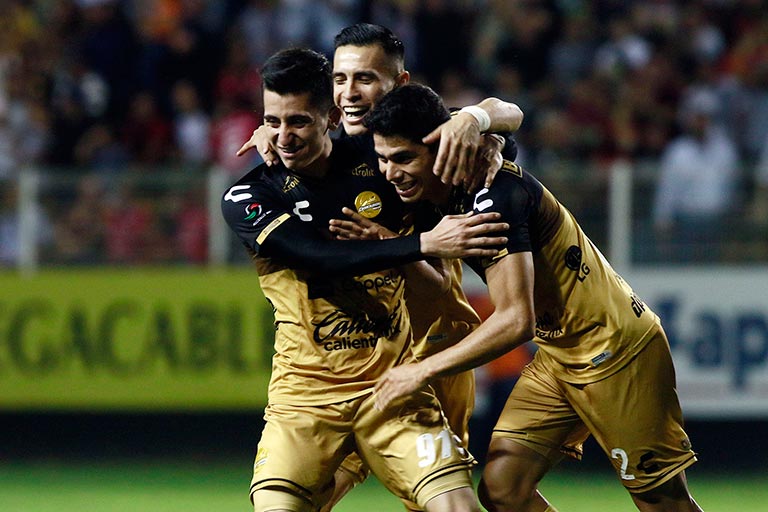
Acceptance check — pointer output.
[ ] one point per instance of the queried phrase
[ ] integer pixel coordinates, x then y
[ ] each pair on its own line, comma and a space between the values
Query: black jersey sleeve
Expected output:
300, 246
266, 225
510, 147
509, 196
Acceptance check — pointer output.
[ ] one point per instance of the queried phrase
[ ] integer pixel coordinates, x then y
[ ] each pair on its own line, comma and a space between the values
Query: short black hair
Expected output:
411, 111
367, 34
299, 71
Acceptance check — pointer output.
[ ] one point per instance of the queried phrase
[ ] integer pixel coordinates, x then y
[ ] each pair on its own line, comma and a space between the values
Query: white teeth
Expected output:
355, 111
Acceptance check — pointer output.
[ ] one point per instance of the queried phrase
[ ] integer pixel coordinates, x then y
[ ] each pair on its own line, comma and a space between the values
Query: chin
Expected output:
355, 129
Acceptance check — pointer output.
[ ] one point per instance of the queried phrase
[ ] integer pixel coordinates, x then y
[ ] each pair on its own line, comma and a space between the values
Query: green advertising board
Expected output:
130, 339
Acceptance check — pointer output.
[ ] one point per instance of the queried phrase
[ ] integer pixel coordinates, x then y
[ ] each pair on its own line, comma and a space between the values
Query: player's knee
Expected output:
278, 500
506, 486
671, 495
500, 496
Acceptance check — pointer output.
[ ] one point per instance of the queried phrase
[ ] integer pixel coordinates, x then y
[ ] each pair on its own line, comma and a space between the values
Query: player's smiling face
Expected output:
408, 166
361, 76
298, 129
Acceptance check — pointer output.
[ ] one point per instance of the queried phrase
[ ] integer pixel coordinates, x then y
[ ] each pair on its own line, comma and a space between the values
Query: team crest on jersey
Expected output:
368, 204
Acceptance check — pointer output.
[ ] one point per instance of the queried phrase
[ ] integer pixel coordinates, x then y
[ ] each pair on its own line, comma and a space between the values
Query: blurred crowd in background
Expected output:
93, 91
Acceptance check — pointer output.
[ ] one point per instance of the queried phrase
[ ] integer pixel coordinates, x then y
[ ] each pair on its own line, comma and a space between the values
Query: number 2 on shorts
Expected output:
618, 453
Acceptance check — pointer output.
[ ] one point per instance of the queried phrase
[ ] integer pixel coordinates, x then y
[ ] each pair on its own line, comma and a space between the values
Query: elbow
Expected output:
517, 117
526, 326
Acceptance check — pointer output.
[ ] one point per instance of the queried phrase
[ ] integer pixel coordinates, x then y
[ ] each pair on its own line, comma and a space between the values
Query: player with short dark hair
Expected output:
339, 310
603, 366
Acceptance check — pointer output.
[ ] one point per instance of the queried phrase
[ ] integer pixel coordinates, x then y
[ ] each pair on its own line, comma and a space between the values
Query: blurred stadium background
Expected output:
134, 342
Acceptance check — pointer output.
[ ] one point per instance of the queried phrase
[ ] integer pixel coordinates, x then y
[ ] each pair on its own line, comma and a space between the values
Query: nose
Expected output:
391, 171
350, 90
284, 135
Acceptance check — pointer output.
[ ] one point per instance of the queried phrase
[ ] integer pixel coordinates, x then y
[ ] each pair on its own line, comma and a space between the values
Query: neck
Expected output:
319, 166
441, 193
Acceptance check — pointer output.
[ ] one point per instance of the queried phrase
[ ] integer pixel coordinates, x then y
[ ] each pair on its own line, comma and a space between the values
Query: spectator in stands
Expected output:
698, 182
191, 127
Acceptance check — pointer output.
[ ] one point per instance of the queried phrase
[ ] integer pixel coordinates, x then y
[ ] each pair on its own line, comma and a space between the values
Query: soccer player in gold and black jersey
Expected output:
369, 62
603, 366
339, 313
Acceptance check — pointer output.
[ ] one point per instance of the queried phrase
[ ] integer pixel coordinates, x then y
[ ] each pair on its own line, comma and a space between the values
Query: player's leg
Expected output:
511, 478
672, 496
636, 418
411, 450
535, 430
351, 472
284, 482
456, 394
461, 499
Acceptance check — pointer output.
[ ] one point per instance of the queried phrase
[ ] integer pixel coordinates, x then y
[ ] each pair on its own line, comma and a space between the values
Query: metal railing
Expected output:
55, 218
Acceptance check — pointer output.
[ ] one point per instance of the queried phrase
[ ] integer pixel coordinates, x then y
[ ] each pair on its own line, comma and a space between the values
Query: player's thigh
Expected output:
538, 415
636, 418
410, 448
300, 449
457, 397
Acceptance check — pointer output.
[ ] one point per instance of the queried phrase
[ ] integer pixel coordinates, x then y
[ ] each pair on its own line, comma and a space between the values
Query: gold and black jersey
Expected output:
336, 333
589, 322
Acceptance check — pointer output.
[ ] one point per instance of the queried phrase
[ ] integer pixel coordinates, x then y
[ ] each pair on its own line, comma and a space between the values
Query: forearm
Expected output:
427, 280
300, 247
493, 338
505, 116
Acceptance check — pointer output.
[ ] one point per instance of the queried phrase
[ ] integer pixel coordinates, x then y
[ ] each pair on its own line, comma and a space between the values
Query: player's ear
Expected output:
402, 78
334, 117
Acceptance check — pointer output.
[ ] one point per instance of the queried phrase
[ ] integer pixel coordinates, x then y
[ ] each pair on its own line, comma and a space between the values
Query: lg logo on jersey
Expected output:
482, 205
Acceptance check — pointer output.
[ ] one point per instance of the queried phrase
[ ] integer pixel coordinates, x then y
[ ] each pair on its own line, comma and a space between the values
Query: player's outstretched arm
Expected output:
261, 141
460, 137
510, 285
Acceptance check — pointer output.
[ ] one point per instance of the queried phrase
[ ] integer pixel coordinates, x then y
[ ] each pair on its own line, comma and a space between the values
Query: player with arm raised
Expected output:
339, 311
603, 367
369, 62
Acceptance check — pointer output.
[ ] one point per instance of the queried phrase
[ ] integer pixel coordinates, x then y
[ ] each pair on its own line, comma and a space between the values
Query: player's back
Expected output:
589, 322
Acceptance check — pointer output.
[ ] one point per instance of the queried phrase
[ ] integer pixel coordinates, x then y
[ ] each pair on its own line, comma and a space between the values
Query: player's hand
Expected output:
462, 236
488, 162
358, 227
459, 141
398, 382
263, 144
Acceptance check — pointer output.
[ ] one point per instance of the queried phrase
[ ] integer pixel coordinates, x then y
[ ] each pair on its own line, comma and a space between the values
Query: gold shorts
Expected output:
408, 447
634, 415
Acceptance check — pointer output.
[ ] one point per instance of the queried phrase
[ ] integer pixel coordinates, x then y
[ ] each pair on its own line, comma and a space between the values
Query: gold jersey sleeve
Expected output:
589, 322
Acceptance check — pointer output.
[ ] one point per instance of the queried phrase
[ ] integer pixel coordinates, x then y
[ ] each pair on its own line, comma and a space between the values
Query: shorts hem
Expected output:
664, 478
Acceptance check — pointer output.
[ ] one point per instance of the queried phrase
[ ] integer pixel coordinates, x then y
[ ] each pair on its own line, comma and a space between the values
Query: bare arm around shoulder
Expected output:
510, 285
461, 136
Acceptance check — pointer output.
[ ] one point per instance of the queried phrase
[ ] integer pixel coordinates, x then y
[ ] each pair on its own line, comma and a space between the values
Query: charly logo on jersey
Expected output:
235, 195
368, 204
302, 205
481, 205
341, 331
